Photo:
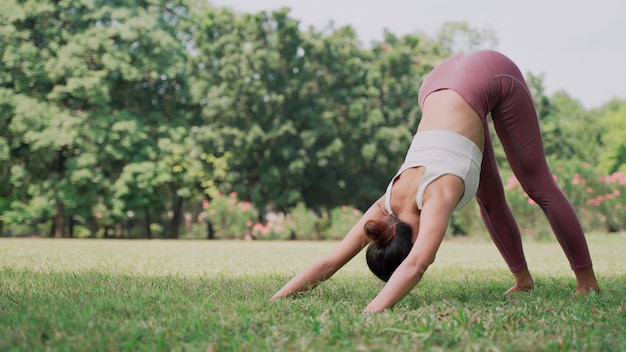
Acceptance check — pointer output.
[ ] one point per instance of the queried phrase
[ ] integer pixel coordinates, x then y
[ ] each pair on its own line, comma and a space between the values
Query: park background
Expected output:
178, 119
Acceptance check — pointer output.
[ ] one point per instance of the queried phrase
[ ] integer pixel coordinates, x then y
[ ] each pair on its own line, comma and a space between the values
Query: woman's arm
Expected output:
323, 269
434, 218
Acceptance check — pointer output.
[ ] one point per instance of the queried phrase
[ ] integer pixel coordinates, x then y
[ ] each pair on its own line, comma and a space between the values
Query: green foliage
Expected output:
467, 221
230, 217
570, 132
460, 38
282, 227
613, 156
92, 84
146, 108
599, 200
299, 223
342, 219
247, 79
303, 223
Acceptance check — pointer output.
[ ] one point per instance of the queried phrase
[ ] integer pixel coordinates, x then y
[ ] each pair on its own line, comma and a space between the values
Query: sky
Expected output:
578, 46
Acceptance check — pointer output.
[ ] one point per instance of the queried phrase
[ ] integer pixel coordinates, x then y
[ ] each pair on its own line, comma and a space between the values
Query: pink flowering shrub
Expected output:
276, 227
599, 200
299, 223
341, 220
609, 202
303, 223
230, 217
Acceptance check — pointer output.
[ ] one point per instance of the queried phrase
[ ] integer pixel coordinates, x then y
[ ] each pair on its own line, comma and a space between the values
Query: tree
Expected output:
336, 89
256, 80
41, 134
613, 155
459, 38
383, 113
78, 71
120, 114
570, 132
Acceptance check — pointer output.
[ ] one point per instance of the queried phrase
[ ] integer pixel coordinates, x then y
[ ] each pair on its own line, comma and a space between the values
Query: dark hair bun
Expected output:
391, 243
379, 232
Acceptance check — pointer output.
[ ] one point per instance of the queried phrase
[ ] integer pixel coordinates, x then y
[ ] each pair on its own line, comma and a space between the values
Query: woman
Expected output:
450, 160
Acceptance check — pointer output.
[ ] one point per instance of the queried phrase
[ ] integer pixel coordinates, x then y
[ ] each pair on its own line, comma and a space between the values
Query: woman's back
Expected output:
446, 110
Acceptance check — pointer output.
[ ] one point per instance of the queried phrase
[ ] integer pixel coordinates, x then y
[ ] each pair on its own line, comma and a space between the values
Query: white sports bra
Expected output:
441, 152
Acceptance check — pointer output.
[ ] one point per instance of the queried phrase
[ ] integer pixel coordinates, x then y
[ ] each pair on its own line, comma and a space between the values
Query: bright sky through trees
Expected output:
575, 44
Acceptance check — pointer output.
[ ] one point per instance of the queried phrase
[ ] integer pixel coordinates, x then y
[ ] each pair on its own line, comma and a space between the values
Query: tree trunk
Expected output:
210, 230
93, 228
59, 221
147, 226
71, 227
58, 167
177, 218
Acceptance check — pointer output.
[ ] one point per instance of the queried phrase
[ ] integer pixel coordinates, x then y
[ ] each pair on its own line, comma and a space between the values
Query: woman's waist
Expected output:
446, 110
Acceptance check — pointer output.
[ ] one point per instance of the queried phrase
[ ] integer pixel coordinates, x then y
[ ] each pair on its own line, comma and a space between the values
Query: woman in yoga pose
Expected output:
451, 160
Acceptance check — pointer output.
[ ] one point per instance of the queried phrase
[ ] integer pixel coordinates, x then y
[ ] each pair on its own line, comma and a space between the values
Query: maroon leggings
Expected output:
491, 83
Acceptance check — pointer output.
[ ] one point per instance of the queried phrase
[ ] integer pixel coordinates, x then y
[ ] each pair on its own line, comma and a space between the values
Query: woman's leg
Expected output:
499, 219
516, 123
495, 211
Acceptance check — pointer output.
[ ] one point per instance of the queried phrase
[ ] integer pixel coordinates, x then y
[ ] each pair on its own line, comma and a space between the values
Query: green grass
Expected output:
101, 295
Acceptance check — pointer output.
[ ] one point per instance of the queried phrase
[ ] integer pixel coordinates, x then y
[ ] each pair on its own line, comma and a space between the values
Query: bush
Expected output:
230, 218
304, 223
276, 227
196, 231
467, 221
612, 204
599, 200
342, 219
299, 223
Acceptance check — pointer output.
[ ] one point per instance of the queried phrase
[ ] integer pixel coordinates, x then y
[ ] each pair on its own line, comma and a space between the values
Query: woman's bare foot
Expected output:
586, 282
523, 282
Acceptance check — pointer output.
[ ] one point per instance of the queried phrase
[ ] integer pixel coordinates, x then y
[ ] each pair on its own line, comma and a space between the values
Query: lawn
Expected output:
108, 295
